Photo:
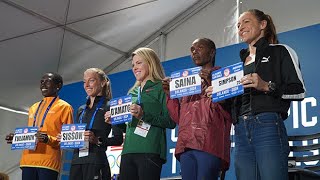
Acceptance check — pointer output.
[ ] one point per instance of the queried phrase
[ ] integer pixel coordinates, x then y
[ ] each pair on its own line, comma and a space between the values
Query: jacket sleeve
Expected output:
66, 118
52, 141
117, 138
294, 88
31, 115
173, 106
163, 120
122, 127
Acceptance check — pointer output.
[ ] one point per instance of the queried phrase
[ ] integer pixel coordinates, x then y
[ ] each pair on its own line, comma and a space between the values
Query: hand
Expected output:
166, 85
205, 74
9, 138
89, 136
42, 137
58, 137
136, 111
253, 80
209, 91
107, 117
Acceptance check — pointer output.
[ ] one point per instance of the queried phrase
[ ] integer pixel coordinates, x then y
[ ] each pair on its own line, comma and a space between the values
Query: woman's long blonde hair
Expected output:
106, 90
156, 71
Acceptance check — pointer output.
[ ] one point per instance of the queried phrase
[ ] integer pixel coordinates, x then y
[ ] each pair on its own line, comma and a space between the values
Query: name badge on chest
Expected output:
142, 128
84, 151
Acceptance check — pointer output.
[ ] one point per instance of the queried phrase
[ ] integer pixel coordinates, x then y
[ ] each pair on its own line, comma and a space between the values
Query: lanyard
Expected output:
139, 95
94, 114
45, 113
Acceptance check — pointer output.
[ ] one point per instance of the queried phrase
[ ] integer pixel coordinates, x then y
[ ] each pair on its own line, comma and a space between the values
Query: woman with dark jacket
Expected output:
272, 79
94, 164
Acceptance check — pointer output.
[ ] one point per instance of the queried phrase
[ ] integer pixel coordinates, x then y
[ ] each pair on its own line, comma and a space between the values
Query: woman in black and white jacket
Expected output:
272, 79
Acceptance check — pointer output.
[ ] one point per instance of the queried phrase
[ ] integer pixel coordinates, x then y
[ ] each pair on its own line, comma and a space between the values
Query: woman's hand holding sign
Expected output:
136, 111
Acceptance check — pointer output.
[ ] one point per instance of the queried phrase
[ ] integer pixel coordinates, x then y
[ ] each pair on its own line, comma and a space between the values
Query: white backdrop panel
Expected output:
14, 22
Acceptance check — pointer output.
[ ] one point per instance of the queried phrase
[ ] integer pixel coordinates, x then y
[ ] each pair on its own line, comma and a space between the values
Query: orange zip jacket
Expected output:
47, 155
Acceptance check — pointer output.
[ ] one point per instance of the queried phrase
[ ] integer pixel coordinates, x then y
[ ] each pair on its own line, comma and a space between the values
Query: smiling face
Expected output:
250, 29
92, 84
201, 53
140, 68
48, 87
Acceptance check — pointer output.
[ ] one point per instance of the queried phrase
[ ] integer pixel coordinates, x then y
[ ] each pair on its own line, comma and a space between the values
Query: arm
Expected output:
107, 118
66, 118
117, 132
123, 127
163, 119
226, 104
9, 138
117, 138
173, 106
224, 109
294, 88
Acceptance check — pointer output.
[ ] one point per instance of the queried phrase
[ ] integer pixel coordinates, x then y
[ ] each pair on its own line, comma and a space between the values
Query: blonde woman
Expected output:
144, 149
94, 165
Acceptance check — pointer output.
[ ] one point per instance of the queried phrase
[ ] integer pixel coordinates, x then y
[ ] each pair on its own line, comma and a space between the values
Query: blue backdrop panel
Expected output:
303, 118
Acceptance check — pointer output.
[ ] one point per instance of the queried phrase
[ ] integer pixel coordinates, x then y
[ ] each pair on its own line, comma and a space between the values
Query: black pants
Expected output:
35, 173
106, 173
89, 172
140, 166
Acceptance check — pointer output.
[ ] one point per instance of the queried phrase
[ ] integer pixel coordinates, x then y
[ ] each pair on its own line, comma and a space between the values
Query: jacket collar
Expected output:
96, 100
49, 99
149, 84
262, 43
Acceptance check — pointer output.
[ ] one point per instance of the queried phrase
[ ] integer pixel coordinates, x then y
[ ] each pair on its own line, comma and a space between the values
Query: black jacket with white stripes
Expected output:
277, 63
